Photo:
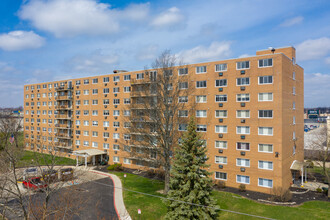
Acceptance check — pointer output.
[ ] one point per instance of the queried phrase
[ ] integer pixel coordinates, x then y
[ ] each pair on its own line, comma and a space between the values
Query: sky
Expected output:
46, 40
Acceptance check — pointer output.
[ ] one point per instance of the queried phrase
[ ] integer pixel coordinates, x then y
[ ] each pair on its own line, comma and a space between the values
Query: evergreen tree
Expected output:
190, 181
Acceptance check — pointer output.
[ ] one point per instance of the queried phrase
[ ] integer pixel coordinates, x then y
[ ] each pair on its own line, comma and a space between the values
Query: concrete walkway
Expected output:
118, 195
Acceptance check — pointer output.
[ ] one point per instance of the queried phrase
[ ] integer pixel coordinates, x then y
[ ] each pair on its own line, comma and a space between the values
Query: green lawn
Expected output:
30, 158
153, 208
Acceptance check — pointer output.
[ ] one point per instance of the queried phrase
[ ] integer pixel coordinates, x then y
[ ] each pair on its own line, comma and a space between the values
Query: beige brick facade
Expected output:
280, 93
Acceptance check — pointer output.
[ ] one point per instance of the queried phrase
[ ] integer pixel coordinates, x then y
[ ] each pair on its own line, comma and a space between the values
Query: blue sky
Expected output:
45, 40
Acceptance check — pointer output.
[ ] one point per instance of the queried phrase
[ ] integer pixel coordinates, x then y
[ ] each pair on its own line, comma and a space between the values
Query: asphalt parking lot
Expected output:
88, 197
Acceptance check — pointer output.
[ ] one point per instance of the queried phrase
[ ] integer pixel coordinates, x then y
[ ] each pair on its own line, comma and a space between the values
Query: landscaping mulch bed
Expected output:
297, 198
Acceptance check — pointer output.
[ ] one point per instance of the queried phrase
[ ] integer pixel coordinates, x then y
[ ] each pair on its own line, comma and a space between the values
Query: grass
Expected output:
154, 208
30, 158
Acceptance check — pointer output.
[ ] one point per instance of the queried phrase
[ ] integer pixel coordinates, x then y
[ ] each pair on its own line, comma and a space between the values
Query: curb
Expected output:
121, 211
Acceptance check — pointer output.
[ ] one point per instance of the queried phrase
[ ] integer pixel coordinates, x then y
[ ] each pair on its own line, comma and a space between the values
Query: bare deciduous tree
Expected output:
158, 110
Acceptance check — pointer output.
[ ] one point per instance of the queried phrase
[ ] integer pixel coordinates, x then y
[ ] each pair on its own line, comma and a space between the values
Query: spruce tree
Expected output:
190, 181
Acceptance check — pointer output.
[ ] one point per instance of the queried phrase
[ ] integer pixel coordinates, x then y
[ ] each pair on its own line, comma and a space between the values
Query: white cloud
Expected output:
217, 50
317, 89
171, 18
94, 63
67, 18
147, 53
292, 21
313, 49
20, 40
245, 55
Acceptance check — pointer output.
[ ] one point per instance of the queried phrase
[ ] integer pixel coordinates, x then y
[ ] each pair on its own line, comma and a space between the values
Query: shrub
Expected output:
242, 188
280, 194
219, 184
319, 190
115, 167
151, 173
310, 163
160, 174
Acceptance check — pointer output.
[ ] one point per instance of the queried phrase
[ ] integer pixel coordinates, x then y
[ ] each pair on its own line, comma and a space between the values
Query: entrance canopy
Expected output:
297, 165
88, 153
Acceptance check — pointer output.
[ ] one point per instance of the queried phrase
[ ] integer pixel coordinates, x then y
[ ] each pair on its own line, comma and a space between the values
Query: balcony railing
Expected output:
63, 145
63, 97
142, 94
63, 88
63, 117
64, 107
146, 80
63, 126
64, 136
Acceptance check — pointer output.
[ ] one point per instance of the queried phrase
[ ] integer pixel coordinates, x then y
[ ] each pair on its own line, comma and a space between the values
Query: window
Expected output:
86, 123
201, 84
116, 101
116, 147
127, 148
95, 81
105, 79
183, 99
116, 112
95, 144
183, 71
265, 80
263, 97
77, 142
127, 124
127, 89
243, 130
106, 102
116, 78
265, 114
183, 127
243, 65
95, 102
106, 134
140, 76
116, 124
294, 135
242, 162
220, 82
242, 146
201, 128
95, 91
95, 123
294, 150
86, 102
105, 124
201, 99
221, 113
243, 97
294, 120
221, 175
105, 90
294, 90
265, 62
115, 135
220, 98
86, 143
200, 69
106, 146
265, 131
220, 129
294, 75
221, 67
265, 148
127, 77
294, 105
201, 114
115, 89
127, 101
220, 160
116, 159
95, 134
243, 114
243, 179
86, 81
243, 81
221, 144
266, 165
86, 112
127, 113
127, 161
183, 113
183, 85
265, 182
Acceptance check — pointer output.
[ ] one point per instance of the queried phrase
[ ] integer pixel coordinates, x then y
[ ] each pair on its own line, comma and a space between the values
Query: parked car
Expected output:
34, 183
32, 171
66, 174
50, 176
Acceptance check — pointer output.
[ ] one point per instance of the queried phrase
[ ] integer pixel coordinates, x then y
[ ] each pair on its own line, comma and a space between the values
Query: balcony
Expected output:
63, 136
146, 93
63, 126
64, 117
63, 145
63, 88
141, 81
63, 97
136, 119
64, 107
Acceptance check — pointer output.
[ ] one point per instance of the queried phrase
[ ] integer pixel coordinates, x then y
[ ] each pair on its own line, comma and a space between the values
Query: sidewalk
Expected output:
118, 195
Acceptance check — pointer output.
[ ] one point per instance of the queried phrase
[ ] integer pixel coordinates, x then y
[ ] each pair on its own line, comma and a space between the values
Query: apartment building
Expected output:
248, 110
